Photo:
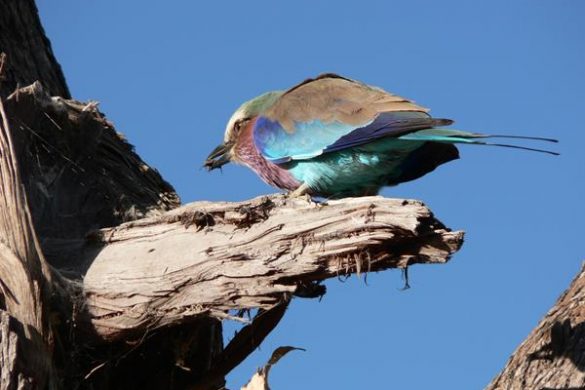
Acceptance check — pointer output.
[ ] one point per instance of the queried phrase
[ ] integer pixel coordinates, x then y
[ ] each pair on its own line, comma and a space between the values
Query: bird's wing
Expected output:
331, 113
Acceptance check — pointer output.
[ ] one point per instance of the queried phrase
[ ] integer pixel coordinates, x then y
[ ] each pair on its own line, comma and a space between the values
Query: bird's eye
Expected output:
239, 124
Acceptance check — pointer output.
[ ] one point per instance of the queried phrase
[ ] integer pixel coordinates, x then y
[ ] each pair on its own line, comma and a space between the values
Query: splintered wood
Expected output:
205, 258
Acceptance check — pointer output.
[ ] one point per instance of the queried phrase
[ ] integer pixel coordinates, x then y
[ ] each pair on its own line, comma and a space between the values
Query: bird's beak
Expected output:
219, 157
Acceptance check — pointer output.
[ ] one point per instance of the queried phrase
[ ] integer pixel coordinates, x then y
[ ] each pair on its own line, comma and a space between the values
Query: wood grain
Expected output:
26, 280
206, 258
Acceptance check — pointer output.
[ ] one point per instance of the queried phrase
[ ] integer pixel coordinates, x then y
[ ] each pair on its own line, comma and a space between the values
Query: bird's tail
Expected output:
453, 136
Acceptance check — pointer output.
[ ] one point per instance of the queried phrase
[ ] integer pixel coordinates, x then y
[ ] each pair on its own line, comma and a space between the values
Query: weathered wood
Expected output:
12, 365
79, 173
23, 269
30, 57
205, 258
22, 356
553, 355
25, 277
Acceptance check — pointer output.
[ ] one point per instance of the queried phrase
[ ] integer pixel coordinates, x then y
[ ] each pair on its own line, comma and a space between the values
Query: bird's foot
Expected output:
303, 192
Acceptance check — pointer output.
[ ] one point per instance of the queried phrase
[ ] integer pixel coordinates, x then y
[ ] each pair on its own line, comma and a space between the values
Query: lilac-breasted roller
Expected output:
334, 137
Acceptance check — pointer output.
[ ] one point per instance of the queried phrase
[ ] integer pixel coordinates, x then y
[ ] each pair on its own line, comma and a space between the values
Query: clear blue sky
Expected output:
169, 75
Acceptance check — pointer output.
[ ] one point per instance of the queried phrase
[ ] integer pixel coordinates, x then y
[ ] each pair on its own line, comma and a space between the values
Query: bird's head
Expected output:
225, 152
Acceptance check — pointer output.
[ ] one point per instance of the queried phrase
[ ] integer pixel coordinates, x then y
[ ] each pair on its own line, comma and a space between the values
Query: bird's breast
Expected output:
247, 154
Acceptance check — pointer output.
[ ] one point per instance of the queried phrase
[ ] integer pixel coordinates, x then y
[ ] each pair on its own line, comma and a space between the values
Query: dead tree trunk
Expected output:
23, 40
26, 280
553, 355
105, 283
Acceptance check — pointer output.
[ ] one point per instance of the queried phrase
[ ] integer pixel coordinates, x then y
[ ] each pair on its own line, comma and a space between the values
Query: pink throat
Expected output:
249, 155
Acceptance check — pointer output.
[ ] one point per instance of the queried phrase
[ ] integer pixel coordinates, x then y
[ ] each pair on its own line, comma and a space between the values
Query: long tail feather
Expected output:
459, 136
517, 147
521, 137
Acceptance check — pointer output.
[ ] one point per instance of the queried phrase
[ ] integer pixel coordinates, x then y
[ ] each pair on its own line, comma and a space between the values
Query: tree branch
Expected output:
242, 345
206, 258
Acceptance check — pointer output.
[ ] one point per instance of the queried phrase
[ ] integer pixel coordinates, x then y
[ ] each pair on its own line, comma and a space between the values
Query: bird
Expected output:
334, 137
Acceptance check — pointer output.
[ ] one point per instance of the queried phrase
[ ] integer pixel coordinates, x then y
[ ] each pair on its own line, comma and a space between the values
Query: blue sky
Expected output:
169, 75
